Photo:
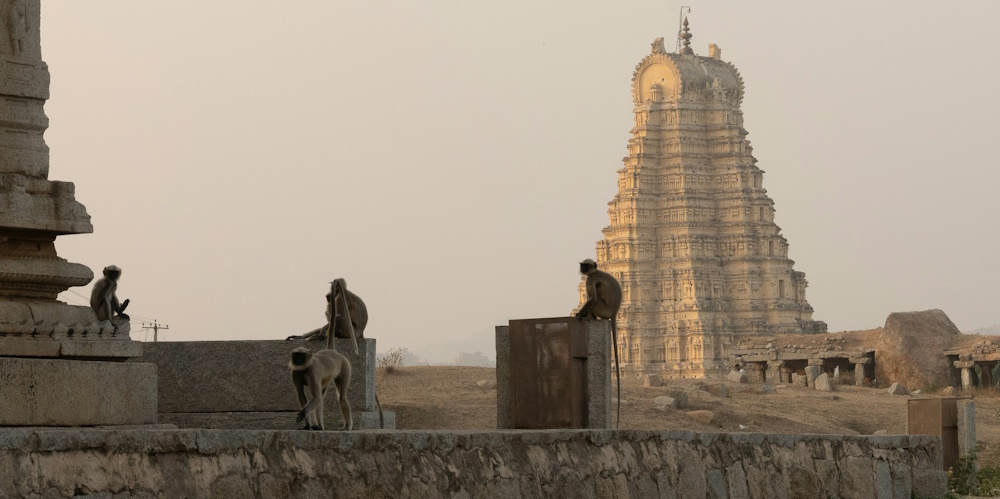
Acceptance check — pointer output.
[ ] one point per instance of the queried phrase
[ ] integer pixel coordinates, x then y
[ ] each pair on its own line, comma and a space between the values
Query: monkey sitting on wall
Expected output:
317, 371
604, 299
103, 299
356, 311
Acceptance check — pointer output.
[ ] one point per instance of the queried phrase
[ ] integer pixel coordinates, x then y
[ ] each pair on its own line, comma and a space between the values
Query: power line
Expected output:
156, 327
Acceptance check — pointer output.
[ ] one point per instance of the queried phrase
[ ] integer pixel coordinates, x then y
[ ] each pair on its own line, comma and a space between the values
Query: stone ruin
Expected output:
45, 342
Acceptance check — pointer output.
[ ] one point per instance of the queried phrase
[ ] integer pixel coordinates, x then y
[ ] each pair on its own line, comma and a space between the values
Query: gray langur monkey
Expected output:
103, 299
604, 299
357, 312
317, 371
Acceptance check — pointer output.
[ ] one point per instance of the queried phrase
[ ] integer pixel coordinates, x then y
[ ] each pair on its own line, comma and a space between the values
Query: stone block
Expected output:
812, 372
703, 417
736, 377
366, 420
966, 426
823, 383
799, 380
664, 402
504, 420
57, 392
949, 391
680, 398
248, 376
897, 389
652, 381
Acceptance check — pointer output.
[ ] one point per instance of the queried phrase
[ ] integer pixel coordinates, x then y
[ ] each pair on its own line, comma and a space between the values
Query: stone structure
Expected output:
247, 384
782, 359
33, 212
692, 237
509, 464
593, 365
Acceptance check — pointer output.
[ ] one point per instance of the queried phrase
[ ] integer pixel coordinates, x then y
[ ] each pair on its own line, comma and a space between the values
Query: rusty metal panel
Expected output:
548, 376
936, 416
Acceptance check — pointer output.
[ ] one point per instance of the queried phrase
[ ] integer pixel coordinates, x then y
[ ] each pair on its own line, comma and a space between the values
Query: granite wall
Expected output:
506, 464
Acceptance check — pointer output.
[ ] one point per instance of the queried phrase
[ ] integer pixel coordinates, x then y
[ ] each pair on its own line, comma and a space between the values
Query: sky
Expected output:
453, 160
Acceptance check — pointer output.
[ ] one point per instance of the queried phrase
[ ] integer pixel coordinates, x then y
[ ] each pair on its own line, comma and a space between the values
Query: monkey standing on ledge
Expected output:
604, 299
317, 371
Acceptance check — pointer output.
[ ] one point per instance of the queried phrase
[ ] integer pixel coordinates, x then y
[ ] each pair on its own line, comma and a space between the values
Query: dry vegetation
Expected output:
454, 398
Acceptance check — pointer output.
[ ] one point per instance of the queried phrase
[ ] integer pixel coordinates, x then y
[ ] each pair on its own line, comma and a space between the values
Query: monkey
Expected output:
356, 311
317, 371
604, 299
103, 299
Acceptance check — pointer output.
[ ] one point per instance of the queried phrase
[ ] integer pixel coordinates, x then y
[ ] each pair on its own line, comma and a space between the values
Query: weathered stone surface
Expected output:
222, 371
703, 417
966, 426
486, 383
367, 420
508, 464
812, 372
897, 389
665, 402
823, 383
680, 398
767, 390
949, 391
909, 350
57, 392
800, 380
880, 432
652, 380
736, 377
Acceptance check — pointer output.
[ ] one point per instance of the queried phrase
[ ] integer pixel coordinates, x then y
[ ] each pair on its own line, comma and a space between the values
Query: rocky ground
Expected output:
465, 398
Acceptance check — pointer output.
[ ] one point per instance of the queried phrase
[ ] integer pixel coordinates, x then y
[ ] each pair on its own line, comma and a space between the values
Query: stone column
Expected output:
859, 369
966, 367
987, 379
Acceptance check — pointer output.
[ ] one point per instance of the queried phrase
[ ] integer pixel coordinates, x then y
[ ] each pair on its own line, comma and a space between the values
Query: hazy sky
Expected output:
453, 160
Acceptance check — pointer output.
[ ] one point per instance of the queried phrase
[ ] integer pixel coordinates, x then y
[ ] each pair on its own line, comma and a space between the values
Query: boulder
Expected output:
823, 383
909, 348
950, 391
680, 399
897, 389
652, 381
665, 402
703, 417
767, 390
486, 383
918, 392
737, 376
812, 372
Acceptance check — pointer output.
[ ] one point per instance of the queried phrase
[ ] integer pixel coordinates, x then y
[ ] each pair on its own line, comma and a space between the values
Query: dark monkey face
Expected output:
299, 358
587, 267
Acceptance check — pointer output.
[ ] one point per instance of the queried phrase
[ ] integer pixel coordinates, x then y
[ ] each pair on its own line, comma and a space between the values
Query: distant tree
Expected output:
474, 359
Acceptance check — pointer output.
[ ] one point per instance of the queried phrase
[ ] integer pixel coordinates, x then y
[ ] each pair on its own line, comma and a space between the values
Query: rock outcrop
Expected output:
911, 346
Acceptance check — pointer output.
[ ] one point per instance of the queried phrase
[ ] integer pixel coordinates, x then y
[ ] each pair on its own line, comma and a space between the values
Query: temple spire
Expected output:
686, 36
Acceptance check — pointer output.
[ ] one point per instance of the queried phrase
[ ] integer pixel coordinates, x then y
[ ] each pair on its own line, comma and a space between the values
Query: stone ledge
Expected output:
223, 463
51, 392
363, 420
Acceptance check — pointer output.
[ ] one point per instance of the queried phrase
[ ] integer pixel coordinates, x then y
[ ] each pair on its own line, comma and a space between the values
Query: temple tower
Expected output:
692, 237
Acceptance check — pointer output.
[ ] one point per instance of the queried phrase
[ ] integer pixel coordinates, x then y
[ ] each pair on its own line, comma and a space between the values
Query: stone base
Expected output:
50, 392
365, 420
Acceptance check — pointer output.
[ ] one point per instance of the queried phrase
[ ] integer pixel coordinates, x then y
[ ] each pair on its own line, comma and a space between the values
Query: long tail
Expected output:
331, 342
618, 368
381, 417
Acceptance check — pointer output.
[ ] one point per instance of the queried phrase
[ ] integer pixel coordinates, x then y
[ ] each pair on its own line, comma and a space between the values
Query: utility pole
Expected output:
156, 327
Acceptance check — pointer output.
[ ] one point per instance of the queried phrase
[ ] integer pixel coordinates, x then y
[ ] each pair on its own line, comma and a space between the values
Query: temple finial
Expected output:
686, 36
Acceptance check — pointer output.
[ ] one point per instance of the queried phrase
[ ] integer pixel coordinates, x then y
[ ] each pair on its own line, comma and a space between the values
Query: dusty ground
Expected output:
449, 398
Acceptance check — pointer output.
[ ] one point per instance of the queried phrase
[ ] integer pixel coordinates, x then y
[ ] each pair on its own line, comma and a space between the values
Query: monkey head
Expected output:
112, 272
301, 358
587, 266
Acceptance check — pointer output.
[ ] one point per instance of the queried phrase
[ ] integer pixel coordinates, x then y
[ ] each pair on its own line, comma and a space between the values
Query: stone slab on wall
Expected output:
367, 420
599, 379
54, 392
509, 464
248, 376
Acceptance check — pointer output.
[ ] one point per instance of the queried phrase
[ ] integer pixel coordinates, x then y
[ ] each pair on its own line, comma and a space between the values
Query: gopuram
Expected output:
59, 364
692, 238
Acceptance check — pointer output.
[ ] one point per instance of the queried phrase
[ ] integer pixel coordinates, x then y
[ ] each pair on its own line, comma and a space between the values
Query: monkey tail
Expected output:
618, 368
381, 417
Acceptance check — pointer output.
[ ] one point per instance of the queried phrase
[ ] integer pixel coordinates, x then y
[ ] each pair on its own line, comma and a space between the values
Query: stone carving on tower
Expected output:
692, 238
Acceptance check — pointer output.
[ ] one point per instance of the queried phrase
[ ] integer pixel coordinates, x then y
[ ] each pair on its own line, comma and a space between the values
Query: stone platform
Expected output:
247, 384
425, 464
52, 392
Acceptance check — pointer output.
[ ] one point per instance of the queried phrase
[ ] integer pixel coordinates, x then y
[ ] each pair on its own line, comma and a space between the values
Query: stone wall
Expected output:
566, 463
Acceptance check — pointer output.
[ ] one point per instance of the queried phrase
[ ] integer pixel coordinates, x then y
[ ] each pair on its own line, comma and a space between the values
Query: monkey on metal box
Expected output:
317, 371
604, 299
103, 299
